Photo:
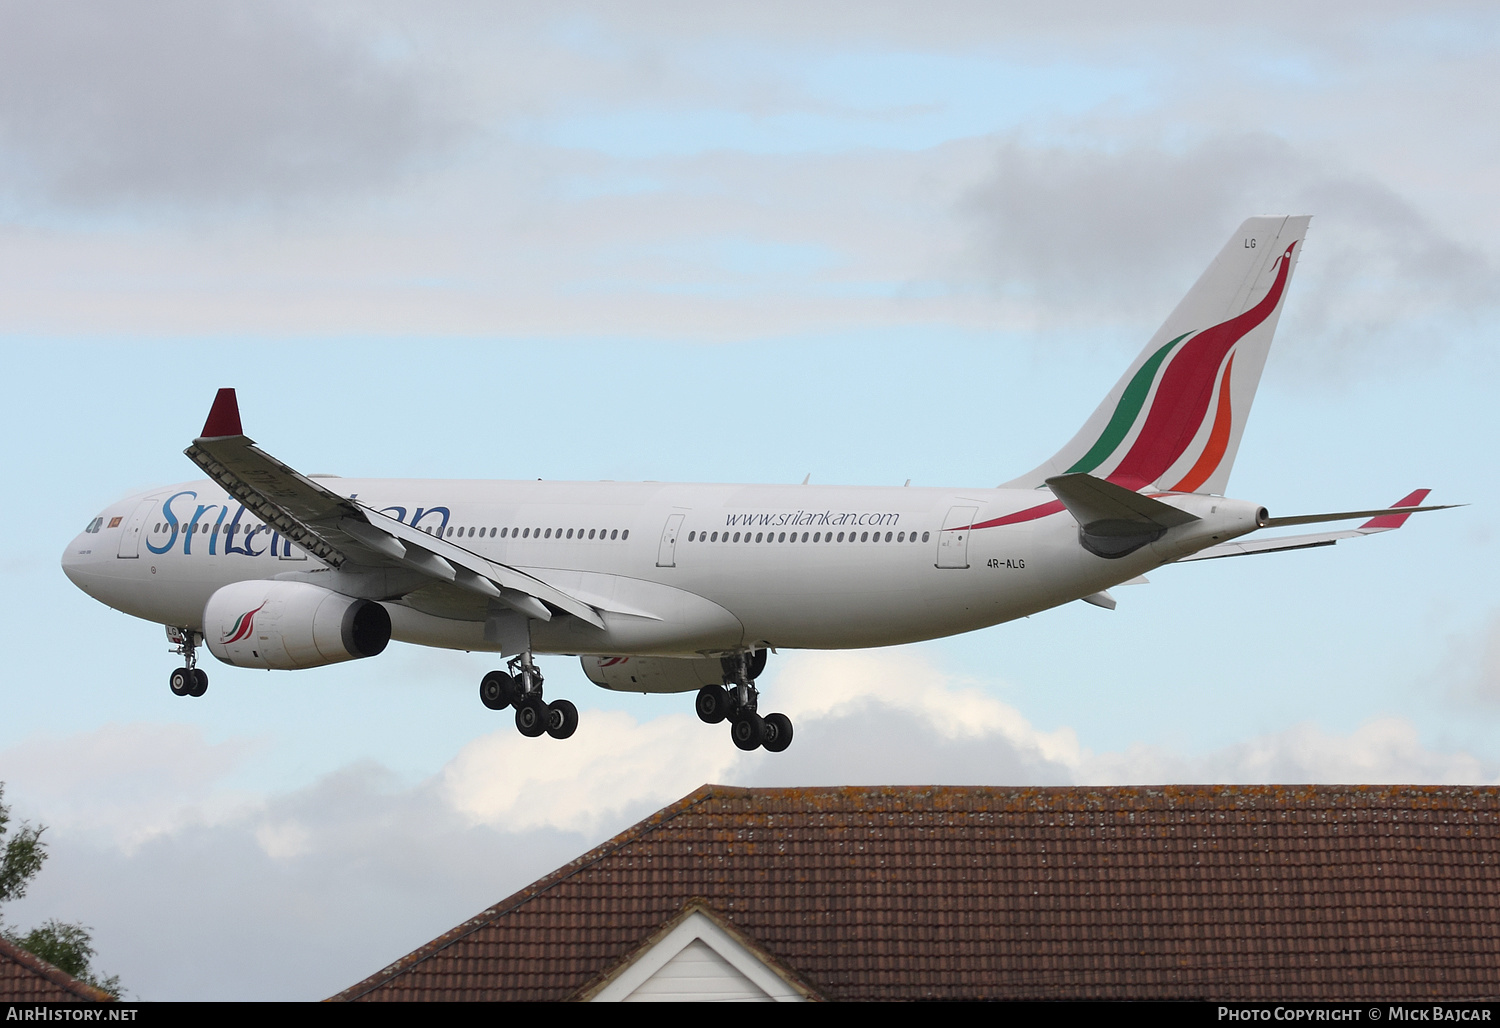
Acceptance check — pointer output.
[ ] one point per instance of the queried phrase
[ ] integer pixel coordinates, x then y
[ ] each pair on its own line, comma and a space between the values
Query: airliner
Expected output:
686, 588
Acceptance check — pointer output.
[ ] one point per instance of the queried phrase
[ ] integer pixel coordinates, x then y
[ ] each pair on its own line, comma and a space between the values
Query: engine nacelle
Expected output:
291, 625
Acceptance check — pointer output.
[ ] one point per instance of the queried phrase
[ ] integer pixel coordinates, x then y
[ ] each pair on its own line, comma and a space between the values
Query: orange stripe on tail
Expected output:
1218, 440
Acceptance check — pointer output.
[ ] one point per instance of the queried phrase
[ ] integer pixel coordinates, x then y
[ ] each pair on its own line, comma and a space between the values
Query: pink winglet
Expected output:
224, 418
1397, 520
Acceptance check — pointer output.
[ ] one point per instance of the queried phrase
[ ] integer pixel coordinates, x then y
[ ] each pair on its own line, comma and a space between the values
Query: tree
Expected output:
23, 855
68, 947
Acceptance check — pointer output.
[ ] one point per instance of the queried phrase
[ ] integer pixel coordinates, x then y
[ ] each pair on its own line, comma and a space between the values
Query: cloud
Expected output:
612, 766
890, 718
1093, 232
1473, 665
128, 784
176, 103
197, 892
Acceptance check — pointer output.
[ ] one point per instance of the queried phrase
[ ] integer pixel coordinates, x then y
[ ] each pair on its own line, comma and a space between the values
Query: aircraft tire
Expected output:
778, 732
531, 717
748, 731
497, 690
200, 682
182, 682
712, 704
562, 719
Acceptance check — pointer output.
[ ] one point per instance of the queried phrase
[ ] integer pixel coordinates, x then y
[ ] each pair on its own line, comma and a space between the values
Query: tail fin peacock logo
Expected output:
1181, 380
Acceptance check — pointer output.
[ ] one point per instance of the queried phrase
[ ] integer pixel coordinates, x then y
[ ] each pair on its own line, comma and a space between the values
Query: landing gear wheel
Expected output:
531, 717
713, 704
562, 719
183, 682
497, 691
748, 731
200, 682
778, 728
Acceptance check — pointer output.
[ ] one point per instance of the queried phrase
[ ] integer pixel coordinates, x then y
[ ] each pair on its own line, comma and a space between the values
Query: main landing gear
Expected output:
189, 680
522, 688
735, 701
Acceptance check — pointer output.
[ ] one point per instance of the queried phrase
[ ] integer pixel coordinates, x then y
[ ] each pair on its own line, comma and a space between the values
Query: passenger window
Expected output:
625, 534
924, 536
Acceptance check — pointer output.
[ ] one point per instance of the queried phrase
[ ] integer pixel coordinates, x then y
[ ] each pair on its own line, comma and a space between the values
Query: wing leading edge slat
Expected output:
339, 531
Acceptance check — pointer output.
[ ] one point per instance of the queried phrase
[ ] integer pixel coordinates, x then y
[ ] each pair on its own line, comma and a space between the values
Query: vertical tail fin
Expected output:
1174, 421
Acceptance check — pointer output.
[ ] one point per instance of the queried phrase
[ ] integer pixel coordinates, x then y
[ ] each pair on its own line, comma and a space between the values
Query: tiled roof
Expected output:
1191, 892
25, 978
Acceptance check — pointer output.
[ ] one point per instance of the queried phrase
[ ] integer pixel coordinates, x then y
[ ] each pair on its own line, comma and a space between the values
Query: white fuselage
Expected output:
673, 569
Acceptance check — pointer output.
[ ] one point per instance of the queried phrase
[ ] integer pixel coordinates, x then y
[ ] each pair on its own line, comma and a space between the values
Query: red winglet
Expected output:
1397, 520
224, 418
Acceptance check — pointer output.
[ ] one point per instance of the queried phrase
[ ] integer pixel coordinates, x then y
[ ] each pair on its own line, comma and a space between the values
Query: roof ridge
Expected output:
54, 974
541, 885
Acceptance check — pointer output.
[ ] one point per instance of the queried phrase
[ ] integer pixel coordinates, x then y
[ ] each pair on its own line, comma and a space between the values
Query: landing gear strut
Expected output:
188, 680
736, 701
521, 688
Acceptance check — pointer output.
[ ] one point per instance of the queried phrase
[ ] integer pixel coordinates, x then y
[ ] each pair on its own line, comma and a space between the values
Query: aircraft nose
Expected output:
76, 558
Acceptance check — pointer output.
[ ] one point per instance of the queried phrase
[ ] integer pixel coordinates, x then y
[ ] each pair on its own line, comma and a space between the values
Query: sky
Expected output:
673, 241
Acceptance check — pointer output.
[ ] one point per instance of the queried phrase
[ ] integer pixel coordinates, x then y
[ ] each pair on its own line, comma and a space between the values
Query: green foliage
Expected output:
23, 855
68, 947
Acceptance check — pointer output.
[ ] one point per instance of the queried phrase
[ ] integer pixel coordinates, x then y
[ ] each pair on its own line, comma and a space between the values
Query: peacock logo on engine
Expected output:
243, 627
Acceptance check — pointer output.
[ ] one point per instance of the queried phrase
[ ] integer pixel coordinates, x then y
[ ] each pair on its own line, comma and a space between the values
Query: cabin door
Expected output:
666, 552
953, 540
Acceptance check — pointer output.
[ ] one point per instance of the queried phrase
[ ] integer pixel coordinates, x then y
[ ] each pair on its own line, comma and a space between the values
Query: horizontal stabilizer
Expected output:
1097, 505
1385, 520
1113, 520
1385, 516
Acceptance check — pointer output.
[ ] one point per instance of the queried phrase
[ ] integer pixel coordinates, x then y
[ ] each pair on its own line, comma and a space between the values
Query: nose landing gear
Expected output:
736, 701
521, 688
188, 680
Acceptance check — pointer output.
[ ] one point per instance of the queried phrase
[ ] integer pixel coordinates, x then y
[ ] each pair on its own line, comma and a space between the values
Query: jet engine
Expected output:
291, 625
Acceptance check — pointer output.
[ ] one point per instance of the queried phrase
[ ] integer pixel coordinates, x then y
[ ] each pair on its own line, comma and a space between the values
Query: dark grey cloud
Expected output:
311, 893
1088, 233
183, 104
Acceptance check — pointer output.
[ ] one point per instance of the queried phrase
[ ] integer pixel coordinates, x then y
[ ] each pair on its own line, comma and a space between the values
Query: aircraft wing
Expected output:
340, 531
1385, 520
